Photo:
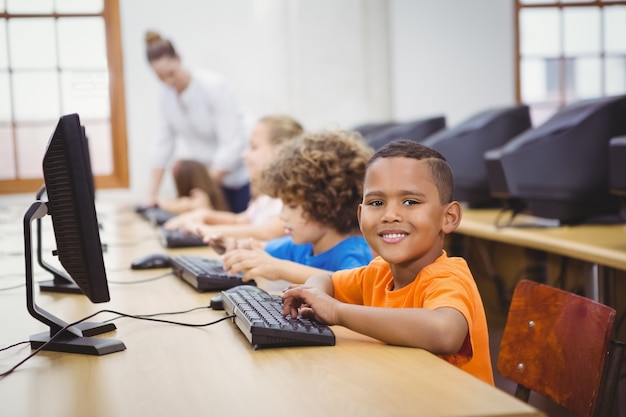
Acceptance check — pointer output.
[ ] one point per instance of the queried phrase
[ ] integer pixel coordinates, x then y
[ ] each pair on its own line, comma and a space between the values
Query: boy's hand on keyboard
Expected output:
310, 302
254, 263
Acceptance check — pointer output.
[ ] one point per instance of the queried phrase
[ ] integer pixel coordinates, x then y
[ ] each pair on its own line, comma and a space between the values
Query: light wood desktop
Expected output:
170, 370
601, 246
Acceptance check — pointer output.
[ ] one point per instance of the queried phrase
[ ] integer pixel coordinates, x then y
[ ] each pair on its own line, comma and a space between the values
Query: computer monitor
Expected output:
76, 231
464, 148
617, 171
559, 170
416, 130
61, 281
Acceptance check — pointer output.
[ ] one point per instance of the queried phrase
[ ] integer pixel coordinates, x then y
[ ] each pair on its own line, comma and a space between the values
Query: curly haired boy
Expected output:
319, 178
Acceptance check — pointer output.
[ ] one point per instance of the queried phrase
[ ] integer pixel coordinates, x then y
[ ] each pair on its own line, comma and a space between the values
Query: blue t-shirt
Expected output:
349, 253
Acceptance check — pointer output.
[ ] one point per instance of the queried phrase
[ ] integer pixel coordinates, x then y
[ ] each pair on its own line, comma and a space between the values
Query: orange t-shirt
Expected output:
447, 282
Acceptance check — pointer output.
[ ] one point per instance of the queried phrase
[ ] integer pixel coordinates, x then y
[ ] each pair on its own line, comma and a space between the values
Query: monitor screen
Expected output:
465, 144
67, 176
559, 170
417, 130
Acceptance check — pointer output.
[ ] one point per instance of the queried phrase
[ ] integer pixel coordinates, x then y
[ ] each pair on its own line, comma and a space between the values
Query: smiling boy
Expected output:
412, 294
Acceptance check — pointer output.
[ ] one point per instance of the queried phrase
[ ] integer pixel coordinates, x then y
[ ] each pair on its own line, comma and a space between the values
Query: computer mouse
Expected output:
152, 261
217, 302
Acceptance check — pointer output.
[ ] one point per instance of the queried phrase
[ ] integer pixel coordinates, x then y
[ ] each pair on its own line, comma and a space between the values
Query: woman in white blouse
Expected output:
199, 108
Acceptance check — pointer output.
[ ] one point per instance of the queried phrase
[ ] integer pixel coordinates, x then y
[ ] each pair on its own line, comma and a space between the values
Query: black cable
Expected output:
13, 287
171, 313
19, 253
139, 281
497, 220
14, 344
12, 275
44, 345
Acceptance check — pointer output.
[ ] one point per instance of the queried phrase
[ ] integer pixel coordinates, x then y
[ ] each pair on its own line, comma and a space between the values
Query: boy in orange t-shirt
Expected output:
412, 294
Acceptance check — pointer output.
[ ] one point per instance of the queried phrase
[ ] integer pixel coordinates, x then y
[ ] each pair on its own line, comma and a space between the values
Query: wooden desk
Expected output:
600, 245
170, 370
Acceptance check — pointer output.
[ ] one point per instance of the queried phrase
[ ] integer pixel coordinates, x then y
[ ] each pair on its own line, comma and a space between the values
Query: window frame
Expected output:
562, 58
119, 178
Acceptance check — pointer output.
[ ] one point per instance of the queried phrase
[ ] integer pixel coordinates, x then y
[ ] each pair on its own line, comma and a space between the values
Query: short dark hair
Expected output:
440, 171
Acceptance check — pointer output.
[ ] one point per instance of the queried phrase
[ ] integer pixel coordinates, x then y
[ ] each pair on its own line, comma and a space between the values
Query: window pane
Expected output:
82, 43
585, 76
581, 30
86, 93
615, 71
7, 165
539, 80
79, 6
540, 113
31, 144
4, 57
615, 29
99, 136
32, 43
36, 96
539, 32
29, 7
5, 98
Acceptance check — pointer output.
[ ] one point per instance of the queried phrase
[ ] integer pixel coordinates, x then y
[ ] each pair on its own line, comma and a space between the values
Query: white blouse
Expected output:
211, 122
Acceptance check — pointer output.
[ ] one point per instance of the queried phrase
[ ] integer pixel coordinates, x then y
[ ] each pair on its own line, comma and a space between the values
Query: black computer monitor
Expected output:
465, 144
559, 170
416, 130
70, 204
617, 170
61, 281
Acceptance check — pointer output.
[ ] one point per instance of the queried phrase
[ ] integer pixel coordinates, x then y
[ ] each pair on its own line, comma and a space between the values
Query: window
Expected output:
59, 57
569, 50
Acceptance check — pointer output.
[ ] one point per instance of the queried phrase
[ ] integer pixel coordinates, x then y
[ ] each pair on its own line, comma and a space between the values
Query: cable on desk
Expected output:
17, 253
12, 275
53, 337
13, 287
139, 281
14, 345
170, 313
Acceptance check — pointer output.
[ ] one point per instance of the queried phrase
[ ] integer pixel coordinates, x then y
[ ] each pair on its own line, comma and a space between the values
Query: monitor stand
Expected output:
61, 337
60, 282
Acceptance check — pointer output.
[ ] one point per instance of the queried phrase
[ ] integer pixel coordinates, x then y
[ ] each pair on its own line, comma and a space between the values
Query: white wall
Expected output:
451, 57
322, 61
329, 63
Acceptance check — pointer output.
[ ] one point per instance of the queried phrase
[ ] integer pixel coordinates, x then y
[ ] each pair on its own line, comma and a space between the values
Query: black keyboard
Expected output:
205, 274
154, 215
259, 316
178, 239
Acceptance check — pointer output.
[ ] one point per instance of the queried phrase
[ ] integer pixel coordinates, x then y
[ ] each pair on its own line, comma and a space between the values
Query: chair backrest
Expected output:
557, 343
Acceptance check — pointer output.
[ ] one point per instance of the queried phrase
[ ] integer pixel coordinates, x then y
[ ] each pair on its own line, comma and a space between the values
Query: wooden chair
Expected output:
558, 344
